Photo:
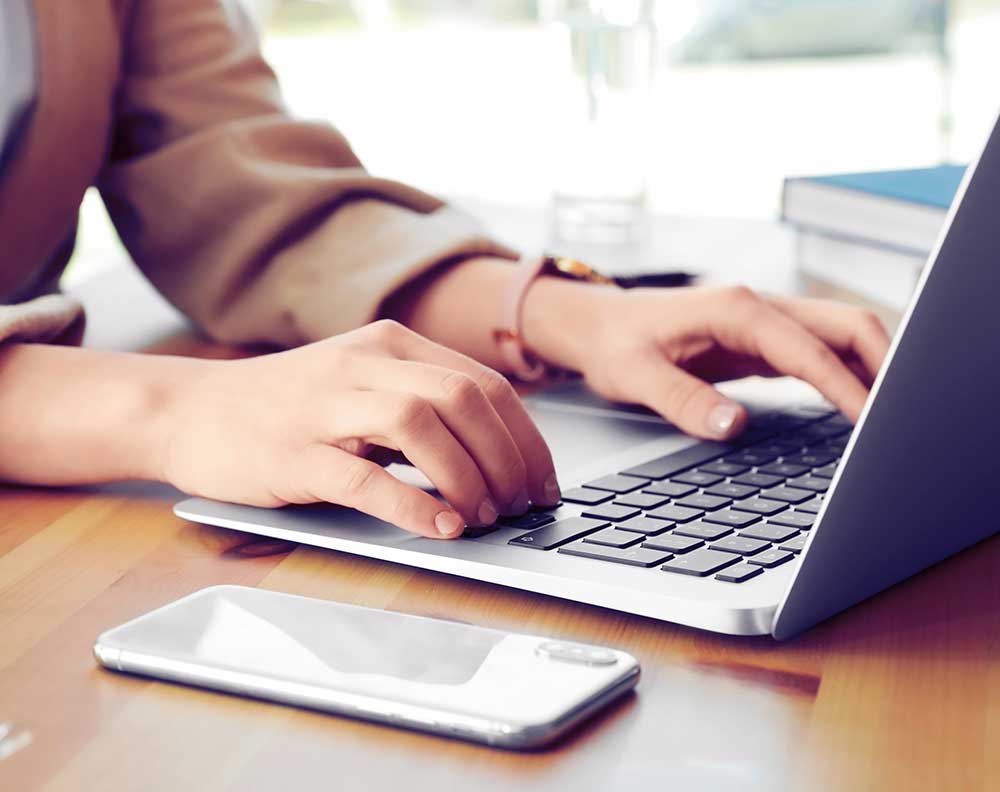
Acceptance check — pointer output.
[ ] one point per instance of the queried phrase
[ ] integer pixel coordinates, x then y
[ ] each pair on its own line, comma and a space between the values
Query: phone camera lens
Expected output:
577, 653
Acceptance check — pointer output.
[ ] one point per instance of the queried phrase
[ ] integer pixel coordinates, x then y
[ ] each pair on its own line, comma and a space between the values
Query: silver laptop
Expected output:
801, 518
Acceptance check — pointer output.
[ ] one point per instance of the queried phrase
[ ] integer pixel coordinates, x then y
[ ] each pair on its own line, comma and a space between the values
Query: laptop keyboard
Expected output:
727, 511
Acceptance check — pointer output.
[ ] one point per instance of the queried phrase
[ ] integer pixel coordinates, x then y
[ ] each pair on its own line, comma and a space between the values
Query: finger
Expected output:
469, 415
689, 403
754, 325
845, 327
543, 485
331, 475
411, 425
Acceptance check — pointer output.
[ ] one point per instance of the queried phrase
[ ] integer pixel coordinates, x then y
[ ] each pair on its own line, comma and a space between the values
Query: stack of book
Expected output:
870, 234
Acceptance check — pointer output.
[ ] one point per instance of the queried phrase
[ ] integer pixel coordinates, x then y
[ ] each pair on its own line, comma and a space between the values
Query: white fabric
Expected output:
53, 318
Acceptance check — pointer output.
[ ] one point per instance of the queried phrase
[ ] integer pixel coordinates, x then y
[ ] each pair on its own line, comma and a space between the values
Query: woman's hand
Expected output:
662, 347
657, 347
306, 425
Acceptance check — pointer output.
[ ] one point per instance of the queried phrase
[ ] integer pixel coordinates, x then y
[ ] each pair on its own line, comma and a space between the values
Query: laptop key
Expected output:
769, 532
698, 478
700, 563
633, 556
813, 483
678, 514
706, 502
586, 496
685, 459
642, 500
741, 545
763, 506
812, 458
673, 543
788, 494
732, 518
812, 507
794, 519
732, 490
616, 482
558, 533
671, 489
645, 525
477, 531
826, 471
612, 537
703, 530
740, 572
750, 458
528, 521
796, 545
785, 470
757, 480
771, 558
611, 512
724, 468
776, 447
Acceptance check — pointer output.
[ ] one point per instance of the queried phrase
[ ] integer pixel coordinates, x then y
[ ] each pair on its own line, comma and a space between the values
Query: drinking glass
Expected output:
600, 119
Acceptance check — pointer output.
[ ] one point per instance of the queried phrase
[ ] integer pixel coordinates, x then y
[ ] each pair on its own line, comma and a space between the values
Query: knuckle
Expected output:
496, 387
412, 414
870, 321
359, 480
739, 295
385, 330
468, 484
405, 509
461, 391
515, 475
822, 363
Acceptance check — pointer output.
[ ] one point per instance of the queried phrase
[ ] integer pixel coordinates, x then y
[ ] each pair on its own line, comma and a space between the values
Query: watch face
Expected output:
574, 268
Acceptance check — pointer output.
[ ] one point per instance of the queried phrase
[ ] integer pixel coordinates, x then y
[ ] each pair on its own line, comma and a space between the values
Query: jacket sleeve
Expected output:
260, 227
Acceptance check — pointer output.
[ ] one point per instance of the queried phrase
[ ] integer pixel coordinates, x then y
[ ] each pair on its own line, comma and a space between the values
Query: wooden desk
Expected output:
902, 692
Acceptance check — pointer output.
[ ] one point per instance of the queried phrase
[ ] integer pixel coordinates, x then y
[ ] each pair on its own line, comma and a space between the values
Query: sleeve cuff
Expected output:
52, 319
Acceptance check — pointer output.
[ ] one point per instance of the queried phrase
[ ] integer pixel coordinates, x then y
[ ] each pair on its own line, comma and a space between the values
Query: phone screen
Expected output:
384, 655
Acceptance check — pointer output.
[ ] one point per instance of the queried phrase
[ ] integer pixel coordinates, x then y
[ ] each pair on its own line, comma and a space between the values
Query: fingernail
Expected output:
487, 512
448, 523
721, 419
552, 491
520, 503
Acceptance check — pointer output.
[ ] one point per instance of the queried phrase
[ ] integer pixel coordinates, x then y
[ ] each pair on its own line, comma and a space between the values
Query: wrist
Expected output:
562, 319
164, 398
81, 416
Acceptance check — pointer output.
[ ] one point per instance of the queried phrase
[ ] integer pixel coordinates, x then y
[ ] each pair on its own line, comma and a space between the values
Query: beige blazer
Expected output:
258, 226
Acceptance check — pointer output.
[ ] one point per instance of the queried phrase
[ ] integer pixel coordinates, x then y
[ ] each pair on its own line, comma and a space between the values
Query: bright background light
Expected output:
456, 98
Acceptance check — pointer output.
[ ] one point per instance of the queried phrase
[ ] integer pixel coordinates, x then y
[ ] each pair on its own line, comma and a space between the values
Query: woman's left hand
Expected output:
662, 347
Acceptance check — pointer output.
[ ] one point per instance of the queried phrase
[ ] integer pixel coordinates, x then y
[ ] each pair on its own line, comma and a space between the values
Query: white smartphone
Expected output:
503, 689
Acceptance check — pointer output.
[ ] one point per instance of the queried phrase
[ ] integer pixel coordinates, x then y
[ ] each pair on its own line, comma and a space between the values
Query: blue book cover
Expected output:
934, 187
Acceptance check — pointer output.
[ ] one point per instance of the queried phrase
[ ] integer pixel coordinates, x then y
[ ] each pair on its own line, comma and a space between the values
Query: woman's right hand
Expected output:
305, 425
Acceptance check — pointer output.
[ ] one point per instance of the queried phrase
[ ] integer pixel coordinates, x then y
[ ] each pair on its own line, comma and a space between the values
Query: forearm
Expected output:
78, 416
460, 307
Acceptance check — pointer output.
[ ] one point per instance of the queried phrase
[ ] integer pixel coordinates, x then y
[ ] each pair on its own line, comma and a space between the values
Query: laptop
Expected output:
801, 517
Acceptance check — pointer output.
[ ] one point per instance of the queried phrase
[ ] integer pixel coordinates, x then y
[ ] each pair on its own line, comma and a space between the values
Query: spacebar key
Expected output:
689, 457
559, 533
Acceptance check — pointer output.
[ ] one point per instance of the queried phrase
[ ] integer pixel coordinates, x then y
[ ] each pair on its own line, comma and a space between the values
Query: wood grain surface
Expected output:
902, 692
